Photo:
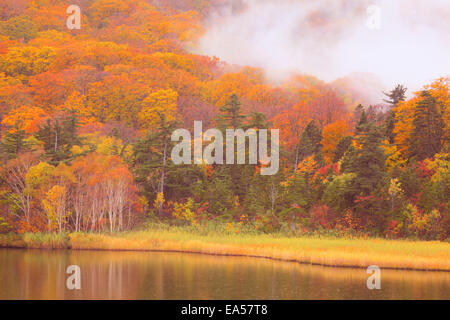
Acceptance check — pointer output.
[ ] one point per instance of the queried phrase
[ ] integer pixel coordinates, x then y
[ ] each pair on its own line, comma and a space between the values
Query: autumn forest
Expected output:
87, 114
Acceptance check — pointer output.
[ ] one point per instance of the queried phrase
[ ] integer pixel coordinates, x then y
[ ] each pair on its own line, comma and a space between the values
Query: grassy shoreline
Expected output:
392, 254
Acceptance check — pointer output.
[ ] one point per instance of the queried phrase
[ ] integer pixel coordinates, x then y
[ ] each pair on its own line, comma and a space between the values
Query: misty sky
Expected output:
330, 38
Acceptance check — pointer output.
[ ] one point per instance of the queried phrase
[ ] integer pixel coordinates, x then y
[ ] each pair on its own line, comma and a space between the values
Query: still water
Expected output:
41, 274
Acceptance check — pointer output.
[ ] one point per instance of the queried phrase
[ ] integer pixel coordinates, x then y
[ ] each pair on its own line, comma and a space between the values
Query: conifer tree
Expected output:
367, 162
310, 143
59, 137
426, 138
151, 154
363, 120
342, 147
14, 142
394, 97
231, 116
257, 120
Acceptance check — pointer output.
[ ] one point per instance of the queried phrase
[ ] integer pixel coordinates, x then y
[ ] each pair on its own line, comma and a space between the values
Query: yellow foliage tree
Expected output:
159, 108
404, 117
27, 61
55, 207
332, 134
183, 211
393, 156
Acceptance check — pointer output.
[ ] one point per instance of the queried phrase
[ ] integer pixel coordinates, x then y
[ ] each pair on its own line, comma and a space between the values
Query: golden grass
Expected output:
395, 254
35, 241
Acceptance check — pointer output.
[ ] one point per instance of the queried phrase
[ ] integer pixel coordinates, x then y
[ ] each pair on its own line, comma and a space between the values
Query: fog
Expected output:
333, 38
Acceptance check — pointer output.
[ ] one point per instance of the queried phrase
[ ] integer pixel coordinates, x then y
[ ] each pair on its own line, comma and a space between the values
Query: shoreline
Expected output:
335, 253
228, 255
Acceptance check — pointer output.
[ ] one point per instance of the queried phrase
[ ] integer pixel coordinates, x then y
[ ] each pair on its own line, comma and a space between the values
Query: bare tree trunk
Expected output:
273, 195
295, 180
163, 175
56, 138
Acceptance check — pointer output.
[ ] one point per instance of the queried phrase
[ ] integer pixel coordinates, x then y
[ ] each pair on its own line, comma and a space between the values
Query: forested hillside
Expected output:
87, 115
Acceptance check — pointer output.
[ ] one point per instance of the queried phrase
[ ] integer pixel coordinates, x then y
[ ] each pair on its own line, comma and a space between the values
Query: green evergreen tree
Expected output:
231, 116
151, 166
394, 97
426, 138
257, 120
370, 180
342, 147
310, 143
220, 194
389, 125
70, 137
14, 142
59, 136
363, 120
367, 162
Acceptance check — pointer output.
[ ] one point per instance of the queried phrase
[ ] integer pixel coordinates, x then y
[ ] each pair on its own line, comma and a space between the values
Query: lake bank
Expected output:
392, 254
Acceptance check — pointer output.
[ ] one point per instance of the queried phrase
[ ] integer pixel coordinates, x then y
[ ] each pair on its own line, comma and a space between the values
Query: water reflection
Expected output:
40, 274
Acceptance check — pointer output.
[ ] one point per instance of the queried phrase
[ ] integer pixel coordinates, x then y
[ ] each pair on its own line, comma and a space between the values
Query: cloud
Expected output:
330, 38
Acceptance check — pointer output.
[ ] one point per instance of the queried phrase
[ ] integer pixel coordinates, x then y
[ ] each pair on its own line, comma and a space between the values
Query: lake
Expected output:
41, 274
